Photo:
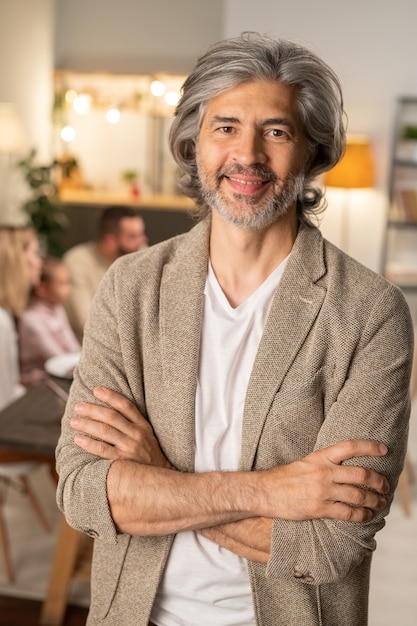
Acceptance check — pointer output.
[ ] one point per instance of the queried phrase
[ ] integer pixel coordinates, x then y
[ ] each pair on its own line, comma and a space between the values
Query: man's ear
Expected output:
110, 241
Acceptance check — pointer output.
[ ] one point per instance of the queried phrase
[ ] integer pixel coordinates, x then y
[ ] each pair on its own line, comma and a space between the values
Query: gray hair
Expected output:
252, 57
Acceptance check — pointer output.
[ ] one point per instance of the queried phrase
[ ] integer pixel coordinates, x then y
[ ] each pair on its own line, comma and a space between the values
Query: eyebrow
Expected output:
270, 121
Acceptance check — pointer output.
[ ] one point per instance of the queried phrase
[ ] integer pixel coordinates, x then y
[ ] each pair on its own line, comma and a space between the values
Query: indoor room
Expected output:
88, 93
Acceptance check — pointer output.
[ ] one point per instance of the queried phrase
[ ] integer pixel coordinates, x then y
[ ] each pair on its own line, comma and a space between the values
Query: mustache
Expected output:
253, 170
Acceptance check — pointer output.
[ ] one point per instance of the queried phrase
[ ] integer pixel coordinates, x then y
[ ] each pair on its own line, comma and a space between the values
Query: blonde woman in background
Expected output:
20, 267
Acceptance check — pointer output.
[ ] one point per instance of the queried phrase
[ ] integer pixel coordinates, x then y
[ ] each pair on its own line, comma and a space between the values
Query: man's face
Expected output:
251, 154
131, 236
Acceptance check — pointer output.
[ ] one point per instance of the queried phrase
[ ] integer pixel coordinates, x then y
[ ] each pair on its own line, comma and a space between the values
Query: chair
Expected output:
15, 475
72, 561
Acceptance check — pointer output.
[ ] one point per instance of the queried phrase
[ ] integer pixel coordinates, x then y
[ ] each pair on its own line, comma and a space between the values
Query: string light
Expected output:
113, 115
157, 88
171, 98
68, 134
82, 103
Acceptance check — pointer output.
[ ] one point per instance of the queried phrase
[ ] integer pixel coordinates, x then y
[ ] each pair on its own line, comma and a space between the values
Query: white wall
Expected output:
372, 46
134, 36
26, 65
26, 71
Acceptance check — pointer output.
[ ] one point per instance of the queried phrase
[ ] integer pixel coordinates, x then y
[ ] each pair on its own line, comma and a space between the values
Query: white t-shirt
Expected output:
202, 582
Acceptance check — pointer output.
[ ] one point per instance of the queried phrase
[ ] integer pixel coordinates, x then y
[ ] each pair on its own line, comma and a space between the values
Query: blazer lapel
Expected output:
296, 305
182, 296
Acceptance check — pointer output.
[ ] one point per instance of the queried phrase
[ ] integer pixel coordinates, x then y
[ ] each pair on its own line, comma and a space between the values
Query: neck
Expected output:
242, 260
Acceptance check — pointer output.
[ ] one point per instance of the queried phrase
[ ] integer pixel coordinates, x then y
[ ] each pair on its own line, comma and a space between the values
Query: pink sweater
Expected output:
44, 332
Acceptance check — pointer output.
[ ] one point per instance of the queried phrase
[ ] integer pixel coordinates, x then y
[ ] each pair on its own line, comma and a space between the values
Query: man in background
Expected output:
121, 230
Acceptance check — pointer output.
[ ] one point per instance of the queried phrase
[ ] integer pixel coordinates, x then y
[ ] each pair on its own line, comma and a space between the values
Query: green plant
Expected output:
43, 207
409, 132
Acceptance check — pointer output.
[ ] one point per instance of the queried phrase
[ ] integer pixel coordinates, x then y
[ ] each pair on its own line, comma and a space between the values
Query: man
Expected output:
249, 415
121, 230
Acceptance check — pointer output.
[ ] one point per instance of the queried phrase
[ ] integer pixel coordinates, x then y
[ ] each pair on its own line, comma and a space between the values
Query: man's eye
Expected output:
278, 132
226, 129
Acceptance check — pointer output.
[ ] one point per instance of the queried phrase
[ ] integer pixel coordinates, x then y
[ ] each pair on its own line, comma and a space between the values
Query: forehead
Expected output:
59, 272
133, 223
257, 100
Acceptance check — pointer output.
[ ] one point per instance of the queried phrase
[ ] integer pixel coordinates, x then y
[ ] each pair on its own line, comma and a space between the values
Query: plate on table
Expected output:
62, 366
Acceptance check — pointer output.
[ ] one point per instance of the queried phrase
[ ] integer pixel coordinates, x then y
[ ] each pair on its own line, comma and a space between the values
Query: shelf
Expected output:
398, 223
399, 260
157, 202
408, 100
405, 162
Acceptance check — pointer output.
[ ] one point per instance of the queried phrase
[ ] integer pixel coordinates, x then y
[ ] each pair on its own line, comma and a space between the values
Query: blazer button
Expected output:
309, 579
297, 573
92, 533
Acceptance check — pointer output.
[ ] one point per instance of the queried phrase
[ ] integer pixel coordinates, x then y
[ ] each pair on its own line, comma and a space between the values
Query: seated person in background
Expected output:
20, 267
121, 230
44, 328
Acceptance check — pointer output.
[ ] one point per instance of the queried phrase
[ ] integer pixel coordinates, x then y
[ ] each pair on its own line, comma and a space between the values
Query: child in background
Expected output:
44, 329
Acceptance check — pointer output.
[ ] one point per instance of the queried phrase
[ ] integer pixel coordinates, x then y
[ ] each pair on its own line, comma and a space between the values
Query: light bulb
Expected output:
70, 95
171, 98
157, 88
82, 103
68, 134
113, 115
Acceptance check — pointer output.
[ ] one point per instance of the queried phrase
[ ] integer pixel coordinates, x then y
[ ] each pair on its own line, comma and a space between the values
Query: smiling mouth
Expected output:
247, 186
247, 182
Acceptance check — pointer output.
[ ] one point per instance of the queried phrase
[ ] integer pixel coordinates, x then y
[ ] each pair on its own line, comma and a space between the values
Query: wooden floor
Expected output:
21, 612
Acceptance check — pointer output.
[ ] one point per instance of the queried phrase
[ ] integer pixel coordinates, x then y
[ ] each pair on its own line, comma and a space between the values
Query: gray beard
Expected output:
263, 213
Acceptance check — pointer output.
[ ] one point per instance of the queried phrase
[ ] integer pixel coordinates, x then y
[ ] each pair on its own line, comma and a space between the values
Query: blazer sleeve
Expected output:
82, 492
374, 404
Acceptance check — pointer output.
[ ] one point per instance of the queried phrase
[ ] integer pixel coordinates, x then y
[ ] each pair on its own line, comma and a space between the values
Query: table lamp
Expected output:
355, 170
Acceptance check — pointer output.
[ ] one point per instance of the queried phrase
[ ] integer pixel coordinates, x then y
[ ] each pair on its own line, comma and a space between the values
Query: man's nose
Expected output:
249, 149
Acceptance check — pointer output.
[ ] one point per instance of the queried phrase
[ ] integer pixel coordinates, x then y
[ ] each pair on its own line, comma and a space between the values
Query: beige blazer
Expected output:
333, 364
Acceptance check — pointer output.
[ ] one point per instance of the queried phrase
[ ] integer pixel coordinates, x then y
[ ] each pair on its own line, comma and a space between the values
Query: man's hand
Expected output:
118, 432
319, 486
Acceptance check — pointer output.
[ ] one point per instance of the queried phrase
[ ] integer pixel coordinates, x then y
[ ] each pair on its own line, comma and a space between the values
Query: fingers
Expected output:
354, 448
354, 496
104, 415
119, 432
97, 429
345, 513
98, 448
119, 403
361, 476
353, 474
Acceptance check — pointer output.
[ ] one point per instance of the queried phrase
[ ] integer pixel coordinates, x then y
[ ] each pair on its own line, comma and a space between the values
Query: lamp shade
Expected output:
355, 170
12, 136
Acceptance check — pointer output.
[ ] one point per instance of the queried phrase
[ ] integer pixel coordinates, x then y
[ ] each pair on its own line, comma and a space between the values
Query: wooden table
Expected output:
31, 425
29, 430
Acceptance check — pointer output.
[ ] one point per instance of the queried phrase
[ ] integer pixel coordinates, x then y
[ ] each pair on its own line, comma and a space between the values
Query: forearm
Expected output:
249, 538
147, 500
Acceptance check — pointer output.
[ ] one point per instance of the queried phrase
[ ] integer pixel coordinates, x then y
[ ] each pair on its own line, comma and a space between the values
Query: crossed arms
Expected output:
147, 496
